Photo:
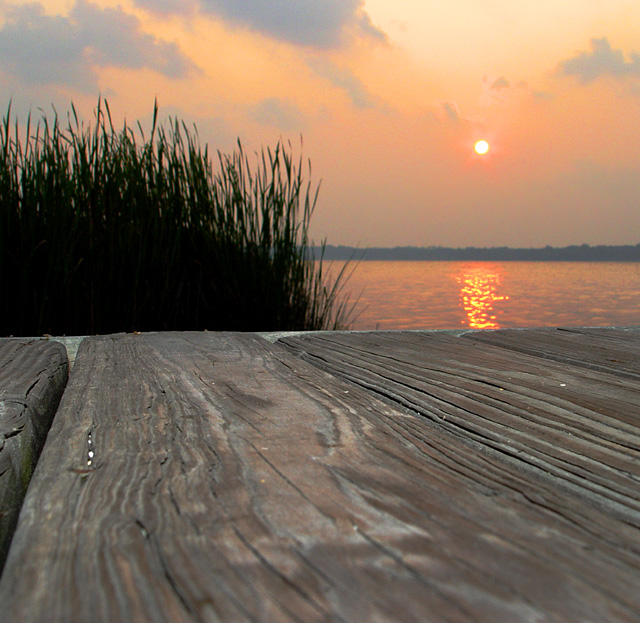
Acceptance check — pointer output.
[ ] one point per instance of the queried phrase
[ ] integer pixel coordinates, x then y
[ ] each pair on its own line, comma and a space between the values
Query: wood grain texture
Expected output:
615, 351
33, 374
230, 480
572, 425
570, 432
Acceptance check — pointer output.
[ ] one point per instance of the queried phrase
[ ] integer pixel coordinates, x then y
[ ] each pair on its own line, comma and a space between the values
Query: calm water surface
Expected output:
492, 295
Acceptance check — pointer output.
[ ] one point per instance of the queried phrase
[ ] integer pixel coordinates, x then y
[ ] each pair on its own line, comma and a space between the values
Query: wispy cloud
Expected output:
496, 91
317, 23
281, 113
451, 111
369, 28
500, 83
544, 96
602, 60
345, 79
168, 7
39, 48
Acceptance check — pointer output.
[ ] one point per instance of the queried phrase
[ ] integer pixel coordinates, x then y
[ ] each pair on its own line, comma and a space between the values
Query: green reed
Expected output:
102, 232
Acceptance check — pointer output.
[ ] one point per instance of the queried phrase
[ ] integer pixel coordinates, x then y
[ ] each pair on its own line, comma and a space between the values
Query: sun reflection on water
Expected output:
478, 292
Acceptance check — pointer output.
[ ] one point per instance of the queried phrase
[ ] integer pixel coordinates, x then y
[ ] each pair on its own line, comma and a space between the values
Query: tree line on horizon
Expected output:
573, 253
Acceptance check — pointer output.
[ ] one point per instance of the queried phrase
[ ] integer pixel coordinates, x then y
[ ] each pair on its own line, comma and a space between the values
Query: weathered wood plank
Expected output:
232, 481
571, 428
610, 350
33, 374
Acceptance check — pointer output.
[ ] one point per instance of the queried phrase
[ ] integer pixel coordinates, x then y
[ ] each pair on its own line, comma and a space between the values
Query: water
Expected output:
492, 295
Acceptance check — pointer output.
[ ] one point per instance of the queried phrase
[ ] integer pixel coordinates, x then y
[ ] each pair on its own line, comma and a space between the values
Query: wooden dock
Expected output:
349, 477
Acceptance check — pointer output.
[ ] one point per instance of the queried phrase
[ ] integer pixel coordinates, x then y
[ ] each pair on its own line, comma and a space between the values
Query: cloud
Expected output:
544, 96
113, 37
452, 111
603, 60
284, 114
52, 49
367, 27
343, 78
36, 47
496, 91
314, 23
500, 83
167, 7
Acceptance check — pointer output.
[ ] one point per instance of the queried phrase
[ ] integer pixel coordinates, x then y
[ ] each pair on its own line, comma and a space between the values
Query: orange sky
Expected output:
389, 98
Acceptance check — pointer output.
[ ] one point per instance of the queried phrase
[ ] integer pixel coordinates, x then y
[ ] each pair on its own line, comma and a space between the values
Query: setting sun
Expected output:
481, 147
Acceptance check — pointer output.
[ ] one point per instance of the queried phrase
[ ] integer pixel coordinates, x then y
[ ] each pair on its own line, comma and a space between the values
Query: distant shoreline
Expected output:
574, 253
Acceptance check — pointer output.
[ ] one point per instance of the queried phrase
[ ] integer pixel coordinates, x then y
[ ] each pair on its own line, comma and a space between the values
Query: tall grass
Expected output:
103, 232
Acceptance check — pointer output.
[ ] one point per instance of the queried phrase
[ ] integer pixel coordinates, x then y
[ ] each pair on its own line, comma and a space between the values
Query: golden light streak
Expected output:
478, 293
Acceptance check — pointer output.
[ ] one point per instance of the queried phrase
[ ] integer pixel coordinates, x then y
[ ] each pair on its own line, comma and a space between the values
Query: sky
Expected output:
386, 100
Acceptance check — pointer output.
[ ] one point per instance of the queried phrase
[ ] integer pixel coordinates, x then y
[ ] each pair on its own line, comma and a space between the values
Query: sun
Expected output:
481, 147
